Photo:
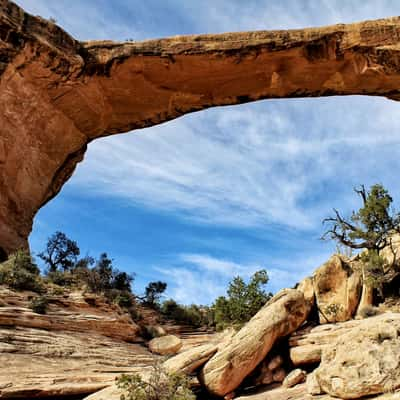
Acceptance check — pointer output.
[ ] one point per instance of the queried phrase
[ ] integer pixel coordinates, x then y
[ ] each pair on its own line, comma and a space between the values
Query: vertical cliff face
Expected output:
58, 94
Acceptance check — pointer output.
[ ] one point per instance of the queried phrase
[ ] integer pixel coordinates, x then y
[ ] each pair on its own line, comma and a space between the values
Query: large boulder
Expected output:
190, 360
306, 286
363, 362
337, 289
165, 345
282, 315
392, 253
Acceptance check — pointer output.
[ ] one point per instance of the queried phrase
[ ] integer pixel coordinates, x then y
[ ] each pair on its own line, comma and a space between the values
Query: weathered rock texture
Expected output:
298, 392
190, 360
306, 345
57, 94
282, 315
79, 346
38, 363
76, 348
73, 312
294, 378
337, 289
363, 362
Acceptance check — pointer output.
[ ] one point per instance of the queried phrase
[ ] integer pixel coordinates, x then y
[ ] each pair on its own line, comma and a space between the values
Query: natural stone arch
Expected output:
57, 94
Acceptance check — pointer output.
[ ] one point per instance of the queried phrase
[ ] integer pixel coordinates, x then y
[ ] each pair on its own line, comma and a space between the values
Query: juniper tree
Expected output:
242, 301
371, 229
60, 252
154, 290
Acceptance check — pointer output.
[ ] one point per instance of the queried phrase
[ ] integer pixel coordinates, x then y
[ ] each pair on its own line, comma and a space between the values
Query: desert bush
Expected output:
124, 300
368, 311
161, 385
190, 315
135, 313
372, 229
39, 305
57, 291
61, 278
20, 272
104, 278
333, 310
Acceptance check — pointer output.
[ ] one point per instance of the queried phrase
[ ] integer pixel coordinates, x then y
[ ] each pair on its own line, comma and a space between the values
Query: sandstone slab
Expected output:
306, 344
190, 360
299, 392
283, 314
363, 362
78, 347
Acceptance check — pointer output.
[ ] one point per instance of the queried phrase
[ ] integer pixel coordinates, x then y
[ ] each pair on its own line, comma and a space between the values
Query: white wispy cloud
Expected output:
251, 166
201, 278
221, 267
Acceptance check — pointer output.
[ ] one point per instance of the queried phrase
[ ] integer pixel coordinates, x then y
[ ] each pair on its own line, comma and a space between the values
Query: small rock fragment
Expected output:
294, 378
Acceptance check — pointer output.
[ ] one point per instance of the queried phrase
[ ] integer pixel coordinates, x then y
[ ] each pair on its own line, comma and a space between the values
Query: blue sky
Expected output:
229, 190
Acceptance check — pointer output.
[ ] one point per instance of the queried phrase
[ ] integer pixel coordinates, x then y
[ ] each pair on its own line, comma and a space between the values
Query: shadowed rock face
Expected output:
57, 94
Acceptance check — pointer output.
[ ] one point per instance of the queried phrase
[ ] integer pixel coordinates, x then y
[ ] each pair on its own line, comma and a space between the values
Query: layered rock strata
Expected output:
78, 347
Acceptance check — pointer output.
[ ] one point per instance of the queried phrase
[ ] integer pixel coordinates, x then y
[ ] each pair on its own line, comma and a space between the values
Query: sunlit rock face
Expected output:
281, 316
57, 94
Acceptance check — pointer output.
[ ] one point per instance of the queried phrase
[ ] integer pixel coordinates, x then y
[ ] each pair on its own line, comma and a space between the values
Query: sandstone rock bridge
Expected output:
58, 94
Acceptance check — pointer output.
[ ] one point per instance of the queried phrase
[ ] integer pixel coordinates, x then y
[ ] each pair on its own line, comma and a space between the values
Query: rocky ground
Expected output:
318, 341
78, 347
295, 347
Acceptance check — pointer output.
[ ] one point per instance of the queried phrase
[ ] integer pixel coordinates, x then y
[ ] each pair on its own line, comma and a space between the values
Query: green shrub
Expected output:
58, 291
242, 301
190, 315
333, 310
39, 305
154, 290
20, 272
161, 385
135, 314
60, 278
124, 300
369, 311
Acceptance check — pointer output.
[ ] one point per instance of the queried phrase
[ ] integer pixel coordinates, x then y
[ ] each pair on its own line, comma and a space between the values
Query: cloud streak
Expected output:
201, 278
269, 163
